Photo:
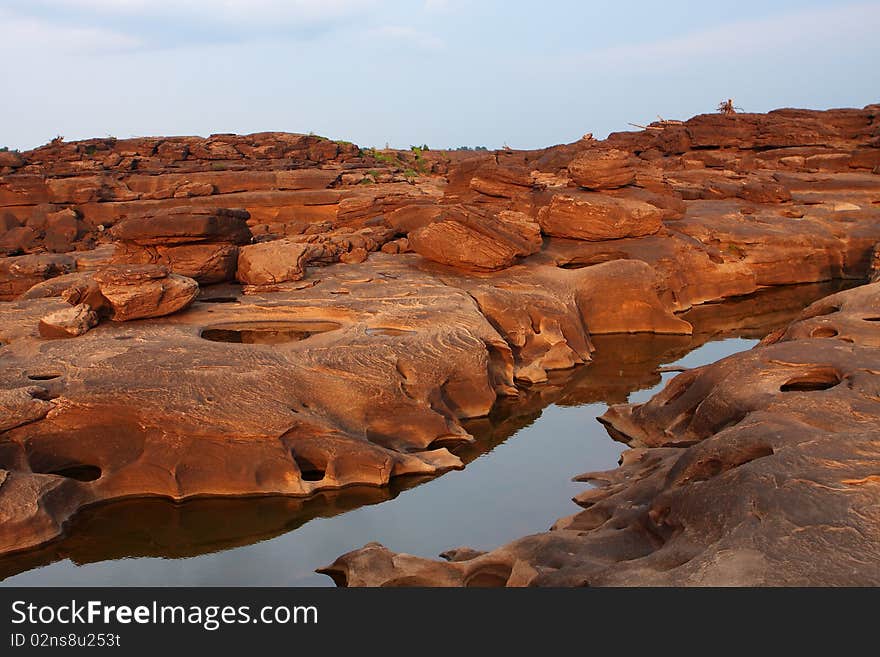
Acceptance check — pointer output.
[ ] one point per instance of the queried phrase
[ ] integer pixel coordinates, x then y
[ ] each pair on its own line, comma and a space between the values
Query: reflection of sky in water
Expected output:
708, 353
520, 487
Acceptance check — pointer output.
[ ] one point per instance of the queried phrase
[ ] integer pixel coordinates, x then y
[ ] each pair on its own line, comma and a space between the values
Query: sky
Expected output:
445, 73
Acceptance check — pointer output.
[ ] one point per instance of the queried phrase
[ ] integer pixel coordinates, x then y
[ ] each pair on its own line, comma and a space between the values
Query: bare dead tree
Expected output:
727, 107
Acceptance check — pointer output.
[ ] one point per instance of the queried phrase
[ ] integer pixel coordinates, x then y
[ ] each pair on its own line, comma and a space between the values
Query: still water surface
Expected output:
517, 481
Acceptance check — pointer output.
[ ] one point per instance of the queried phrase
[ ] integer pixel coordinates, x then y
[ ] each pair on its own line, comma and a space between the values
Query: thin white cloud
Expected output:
271, 13
804, 29
24, 32
438, 5
408, 35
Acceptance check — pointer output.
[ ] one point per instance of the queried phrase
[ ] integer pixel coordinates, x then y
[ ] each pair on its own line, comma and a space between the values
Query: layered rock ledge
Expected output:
357, 305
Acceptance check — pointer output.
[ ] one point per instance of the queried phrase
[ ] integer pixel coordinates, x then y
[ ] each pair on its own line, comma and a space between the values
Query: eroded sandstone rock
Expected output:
602, 169
412, 343
22, 405
596, 217
142, 291
472, 239
199, 244
20, 273
273, 262
68, 322
759, 469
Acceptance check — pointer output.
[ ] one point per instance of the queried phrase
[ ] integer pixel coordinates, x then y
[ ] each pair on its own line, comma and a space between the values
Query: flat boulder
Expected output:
595, 217
501, 181
55, 287
185, 225
206, 262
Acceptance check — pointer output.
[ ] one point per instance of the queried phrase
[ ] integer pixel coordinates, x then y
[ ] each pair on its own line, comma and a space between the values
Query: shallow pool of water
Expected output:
517, 480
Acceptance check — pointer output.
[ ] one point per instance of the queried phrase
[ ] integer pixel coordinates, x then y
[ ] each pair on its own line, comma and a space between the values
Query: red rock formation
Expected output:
596, 217
345, 365
199, 244
469, 238
603, 169
143, 291
273, 262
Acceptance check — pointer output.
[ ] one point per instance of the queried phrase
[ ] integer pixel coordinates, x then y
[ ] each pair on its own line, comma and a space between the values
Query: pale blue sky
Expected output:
441, 72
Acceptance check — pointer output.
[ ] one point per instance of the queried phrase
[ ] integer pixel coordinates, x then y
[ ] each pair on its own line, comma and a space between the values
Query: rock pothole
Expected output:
387, 330
44, 376
312, 467
824, 332
84, 472
267, 332
814, 380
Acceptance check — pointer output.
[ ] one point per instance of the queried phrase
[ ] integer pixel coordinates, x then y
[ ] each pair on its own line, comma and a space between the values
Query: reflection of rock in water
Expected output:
625, 363
755, 315
621, 364
759, 469
156, 527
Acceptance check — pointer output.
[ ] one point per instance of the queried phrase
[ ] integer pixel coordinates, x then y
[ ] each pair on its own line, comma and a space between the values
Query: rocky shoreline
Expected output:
758, 470
339, 326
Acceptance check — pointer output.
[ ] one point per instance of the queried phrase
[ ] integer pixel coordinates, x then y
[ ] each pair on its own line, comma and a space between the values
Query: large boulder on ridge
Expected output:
473, 238
602, 169
595, 217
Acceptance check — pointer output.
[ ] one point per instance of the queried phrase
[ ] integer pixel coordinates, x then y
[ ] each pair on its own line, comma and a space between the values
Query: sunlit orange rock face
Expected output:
285, 314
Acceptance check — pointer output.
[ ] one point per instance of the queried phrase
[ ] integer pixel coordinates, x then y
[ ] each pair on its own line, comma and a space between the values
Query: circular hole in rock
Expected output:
576, 265
823, 332
48, 376
385, 330
78, 471
267, 332
312, 467
822, 311
490, 575
812, 381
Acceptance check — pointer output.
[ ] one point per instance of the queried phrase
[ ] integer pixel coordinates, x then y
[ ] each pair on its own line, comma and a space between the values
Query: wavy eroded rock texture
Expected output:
760, 469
